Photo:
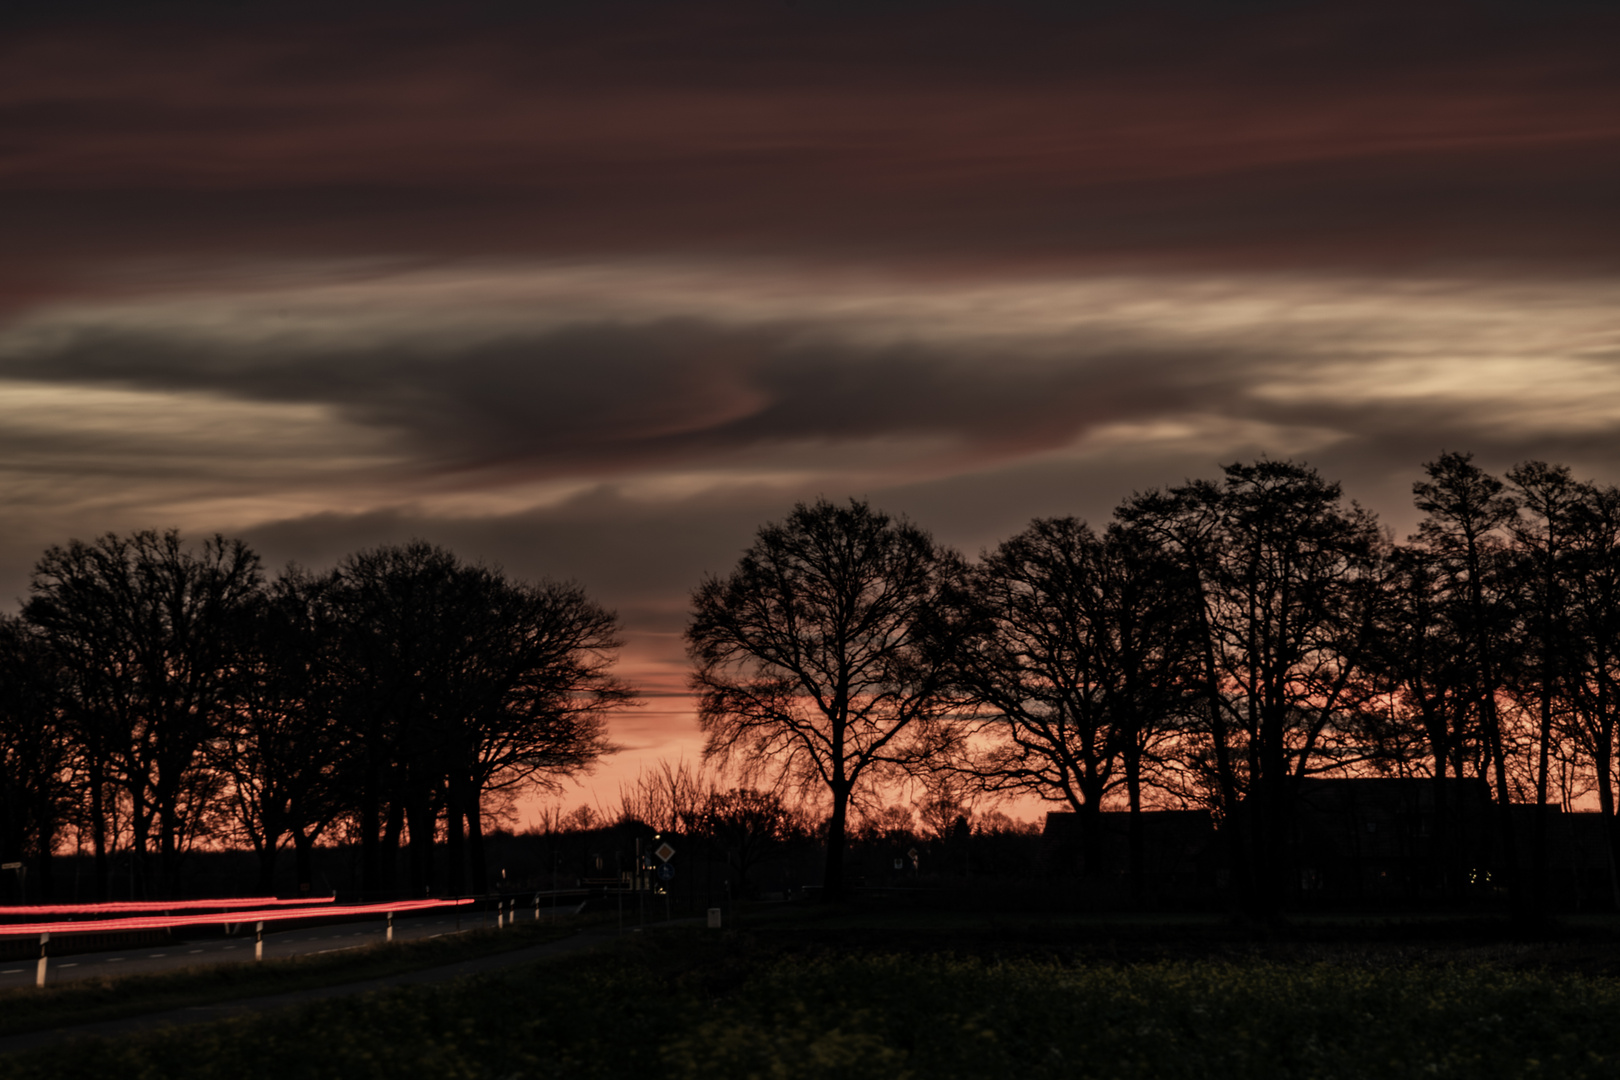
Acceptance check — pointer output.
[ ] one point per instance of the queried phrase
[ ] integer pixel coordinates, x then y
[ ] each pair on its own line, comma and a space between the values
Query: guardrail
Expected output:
227, 918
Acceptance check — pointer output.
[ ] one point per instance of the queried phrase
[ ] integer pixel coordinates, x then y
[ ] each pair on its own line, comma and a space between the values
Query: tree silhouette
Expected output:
746, 825
1422, 668
1551, 502
35, 752
1464, 532
1286, 579
1592, 669
282, 746
456, 682
1079, 657
827, 655
146, 632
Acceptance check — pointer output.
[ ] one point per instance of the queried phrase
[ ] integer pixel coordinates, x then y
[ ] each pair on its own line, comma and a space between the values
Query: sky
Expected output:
592, 291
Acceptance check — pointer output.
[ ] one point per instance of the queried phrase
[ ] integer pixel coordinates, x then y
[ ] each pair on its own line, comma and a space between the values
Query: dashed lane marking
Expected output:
194, 952
115, 959
67, 965
13, 971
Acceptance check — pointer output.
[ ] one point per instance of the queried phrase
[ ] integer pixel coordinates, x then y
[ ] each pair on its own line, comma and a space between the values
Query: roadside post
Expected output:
390, 926
258, 941
39, 977
666, 873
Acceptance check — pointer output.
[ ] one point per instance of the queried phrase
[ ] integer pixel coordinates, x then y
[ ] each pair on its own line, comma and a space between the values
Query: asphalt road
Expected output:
198, 1014
293, 941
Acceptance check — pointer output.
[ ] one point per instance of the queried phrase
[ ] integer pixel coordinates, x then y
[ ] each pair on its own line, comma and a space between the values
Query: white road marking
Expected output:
194, 952
114, 959
156, 955
67, 965
13, 971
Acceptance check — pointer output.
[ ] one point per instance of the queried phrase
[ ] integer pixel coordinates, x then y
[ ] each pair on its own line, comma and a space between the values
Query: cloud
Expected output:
1312, 135
486, 389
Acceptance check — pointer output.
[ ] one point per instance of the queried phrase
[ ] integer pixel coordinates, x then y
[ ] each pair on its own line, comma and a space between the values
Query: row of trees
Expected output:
156, 695
1215, 644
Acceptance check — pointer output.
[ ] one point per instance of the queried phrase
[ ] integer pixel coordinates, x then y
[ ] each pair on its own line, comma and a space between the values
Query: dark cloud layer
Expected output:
1300, 135
590, 398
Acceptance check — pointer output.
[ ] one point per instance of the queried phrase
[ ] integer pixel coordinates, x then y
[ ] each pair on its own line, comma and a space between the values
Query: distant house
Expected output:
1580, 867
1392, 837
1179, 856
1377, 840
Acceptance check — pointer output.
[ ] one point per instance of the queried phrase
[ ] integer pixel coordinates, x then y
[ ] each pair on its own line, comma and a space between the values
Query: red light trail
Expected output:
163, 922
158, 905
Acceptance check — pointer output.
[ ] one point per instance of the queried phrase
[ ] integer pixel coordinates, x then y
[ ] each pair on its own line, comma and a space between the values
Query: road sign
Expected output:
11, 866
664, 851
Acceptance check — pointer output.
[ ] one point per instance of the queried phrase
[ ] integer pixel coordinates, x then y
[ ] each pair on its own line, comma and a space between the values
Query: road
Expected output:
294, 941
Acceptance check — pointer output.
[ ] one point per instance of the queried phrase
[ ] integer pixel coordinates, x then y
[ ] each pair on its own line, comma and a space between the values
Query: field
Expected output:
818, 995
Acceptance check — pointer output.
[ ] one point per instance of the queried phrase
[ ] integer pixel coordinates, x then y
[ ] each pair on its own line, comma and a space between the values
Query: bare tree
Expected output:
1464, 533
35, 754
1593, 667
1551, 503
282, 746
1079, 664
146, 632
826, 657
459, 682
1286, 580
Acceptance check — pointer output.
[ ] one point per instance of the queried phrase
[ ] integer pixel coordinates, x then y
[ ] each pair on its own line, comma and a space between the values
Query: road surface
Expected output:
279, 944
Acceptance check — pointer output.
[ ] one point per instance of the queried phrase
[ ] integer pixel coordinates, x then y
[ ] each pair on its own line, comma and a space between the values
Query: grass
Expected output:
85, 1001
793, 1000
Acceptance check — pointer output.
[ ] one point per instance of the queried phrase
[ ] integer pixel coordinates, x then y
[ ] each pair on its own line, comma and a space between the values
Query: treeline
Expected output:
1214, 645
156, 696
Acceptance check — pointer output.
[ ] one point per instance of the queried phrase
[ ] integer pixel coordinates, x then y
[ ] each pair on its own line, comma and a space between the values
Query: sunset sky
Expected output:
593, 290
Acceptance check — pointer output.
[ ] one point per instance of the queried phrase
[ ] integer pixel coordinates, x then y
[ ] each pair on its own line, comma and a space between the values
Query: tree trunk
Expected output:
267, 868
303, 859
832, 880
1091, 837
455, 883
371, 873
1137, 842
101, 865
388, 858
475, 844
423, 824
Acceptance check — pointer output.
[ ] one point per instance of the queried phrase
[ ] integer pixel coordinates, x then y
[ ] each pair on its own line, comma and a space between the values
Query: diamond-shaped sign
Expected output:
664, 851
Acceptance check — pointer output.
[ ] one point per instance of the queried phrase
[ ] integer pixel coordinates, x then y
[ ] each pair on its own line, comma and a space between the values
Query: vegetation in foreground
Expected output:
89, 1001
686, 1004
